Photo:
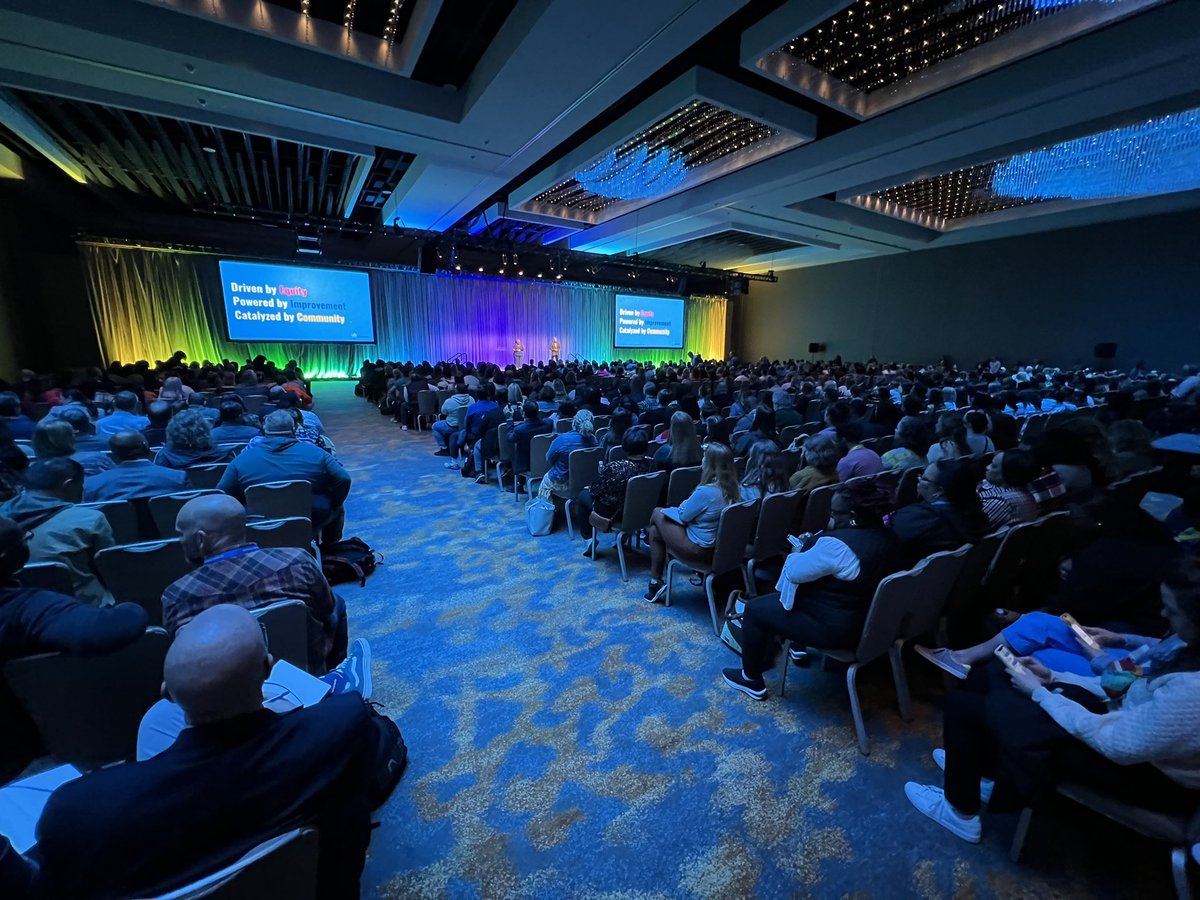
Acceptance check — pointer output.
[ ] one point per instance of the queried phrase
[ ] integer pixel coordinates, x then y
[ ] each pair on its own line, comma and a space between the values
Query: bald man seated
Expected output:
233, 569
135, 476
237, 776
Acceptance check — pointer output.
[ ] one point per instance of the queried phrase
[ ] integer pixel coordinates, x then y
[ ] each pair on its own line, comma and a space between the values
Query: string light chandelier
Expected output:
633, 175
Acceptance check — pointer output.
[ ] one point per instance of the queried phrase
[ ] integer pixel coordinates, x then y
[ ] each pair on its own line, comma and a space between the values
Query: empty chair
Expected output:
538, 466
818, 508
122, 518
284, 866
87, 709
789, 434
642, 493
1132, 488
428, 408
906, 605
733, 533
562, 426
504, 454
288, 623
775, 518
206, 476
47, 576
683, 482
139, 573
254, 403
295, 531
165, 509
1025, 568
280, 500
583, 466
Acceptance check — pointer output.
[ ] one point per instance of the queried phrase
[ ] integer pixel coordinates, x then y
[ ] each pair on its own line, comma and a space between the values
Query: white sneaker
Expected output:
932, 802
986, 785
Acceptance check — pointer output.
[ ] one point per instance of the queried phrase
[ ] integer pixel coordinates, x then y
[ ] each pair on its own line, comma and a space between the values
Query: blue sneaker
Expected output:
354, 672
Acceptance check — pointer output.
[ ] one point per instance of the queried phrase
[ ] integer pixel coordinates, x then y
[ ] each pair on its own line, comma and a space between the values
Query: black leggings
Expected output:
991, 729
765, 618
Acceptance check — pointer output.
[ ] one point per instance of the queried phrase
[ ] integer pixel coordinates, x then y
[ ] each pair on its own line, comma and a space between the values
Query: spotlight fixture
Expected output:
481, 268
539, 274
558, 277
520, 271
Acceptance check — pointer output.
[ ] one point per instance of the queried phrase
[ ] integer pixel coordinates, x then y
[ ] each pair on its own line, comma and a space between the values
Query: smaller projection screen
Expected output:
296, 304
648, 322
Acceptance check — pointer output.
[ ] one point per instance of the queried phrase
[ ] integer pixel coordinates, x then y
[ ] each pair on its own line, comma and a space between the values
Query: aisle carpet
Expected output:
569, 740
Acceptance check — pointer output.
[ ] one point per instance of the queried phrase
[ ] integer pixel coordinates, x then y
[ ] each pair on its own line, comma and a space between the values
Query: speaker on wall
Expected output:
815, 347
1106, 350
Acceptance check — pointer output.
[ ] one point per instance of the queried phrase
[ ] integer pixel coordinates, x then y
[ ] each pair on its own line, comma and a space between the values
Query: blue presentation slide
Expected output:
294, 304
650, 322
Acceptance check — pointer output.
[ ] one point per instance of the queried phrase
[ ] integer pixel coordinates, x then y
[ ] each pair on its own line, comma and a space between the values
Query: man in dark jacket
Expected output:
280, 457
521, 434
135, 475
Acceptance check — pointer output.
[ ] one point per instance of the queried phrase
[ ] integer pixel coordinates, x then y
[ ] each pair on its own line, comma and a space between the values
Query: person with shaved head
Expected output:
135, 475
236, 776
233, 569
280, 456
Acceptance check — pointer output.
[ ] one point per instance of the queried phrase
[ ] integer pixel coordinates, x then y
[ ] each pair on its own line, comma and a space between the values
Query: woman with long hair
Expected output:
689, 530
682, 447
951, 434
764, 472
1128, 730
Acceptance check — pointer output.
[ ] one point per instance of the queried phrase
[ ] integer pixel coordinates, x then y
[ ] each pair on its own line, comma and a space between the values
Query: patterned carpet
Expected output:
569, 740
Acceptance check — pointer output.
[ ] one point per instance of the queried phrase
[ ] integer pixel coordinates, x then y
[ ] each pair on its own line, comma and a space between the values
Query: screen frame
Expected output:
295, 265
682, 322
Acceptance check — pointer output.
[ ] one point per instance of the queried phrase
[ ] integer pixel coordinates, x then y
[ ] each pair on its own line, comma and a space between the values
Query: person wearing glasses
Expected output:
950, 513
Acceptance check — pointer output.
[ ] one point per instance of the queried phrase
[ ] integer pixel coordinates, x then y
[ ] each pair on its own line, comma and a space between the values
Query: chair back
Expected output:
284, 866
165, 509
280, 499
906, 491
25, 446
87, 708
775, 518
254, 403
733, 534
139, 573
642, 493
811, 428
1132, 488
234, 448
47, 576
287, 623
442, 397
818, 508
616, 453
206, 476
294, 531
814, 410
122, 518
427, 404
583, 466
504, 447
789, 434
964, 607
599, 422
683, 482
562, 426
1026, 565
538, 447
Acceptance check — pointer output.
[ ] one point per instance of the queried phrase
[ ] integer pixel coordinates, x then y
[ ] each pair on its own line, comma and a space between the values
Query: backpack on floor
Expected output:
389, 756
731, 631
349, 560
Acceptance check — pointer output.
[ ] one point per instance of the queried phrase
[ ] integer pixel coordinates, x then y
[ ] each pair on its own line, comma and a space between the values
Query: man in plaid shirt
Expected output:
231, 569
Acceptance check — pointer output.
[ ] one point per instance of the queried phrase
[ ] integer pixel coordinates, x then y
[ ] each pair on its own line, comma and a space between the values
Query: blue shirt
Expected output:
560, 450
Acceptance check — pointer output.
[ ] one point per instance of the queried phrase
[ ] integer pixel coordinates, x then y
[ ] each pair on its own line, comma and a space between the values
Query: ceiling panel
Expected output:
722, 250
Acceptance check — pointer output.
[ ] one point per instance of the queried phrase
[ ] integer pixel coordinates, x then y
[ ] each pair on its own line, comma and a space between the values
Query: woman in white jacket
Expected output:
1132, 732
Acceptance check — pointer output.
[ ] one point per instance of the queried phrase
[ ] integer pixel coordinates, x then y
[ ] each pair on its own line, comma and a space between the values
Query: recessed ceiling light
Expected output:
208, 149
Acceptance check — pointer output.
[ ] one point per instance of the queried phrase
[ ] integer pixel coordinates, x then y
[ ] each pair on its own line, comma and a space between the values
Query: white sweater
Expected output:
1157, 722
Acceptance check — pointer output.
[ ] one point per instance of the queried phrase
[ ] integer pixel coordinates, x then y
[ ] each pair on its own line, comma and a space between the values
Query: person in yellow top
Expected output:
518, 353
555, 348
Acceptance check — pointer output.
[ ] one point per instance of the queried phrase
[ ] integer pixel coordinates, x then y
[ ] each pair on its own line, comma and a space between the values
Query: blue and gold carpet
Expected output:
569, 740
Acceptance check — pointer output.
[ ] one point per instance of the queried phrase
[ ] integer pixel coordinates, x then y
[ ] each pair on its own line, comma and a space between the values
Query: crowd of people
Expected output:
983, 465
219, 767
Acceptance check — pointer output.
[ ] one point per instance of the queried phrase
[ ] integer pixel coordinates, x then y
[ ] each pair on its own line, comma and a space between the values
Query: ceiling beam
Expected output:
16, 119
407, 51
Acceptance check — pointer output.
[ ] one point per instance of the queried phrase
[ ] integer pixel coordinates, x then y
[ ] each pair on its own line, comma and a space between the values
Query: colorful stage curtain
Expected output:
148, 303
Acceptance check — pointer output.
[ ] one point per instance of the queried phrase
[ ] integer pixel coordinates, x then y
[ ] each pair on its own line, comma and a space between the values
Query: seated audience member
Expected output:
951, 437
716, 431
279, 456
237, 776
488, 445
785, 413
1129, 733
908, 449
288, 399
606, 495
174, 390
581, 435
1004, 491
620, 422
62, 531
826, 587
124, 416
689, 530
304, 432
1189, 388
190, 442
858, 408
233, 569
977, 439
35, 620
13, 463
135, 476
547, 401
1068, 454
764, 472
86, 438
762, 428
859, 460
454, 411
158, 414
819, 465
836, 414
1129, 441
950, 513
683, 447
657, 416
521, 433
20, 426
1003, 429
473, 423
248, 384
232, 427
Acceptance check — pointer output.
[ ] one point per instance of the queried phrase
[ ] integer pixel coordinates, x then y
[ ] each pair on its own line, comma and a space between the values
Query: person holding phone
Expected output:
1131, 732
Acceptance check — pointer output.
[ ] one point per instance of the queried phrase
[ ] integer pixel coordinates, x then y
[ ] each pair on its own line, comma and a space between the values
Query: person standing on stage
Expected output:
518, 353
555, 349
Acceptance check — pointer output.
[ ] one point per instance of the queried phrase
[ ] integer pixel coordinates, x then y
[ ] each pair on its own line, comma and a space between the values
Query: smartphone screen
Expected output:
1006, 656
1076, 629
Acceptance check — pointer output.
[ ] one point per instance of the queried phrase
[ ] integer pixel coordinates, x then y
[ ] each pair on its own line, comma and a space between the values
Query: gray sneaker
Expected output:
354, 672
944, 660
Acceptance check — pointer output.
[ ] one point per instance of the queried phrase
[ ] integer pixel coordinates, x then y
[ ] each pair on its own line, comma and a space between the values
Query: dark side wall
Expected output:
1050, 296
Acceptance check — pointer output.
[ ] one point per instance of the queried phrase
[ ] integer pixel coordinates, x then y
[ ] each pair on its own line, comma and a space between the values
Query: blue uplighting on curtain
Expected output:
148, 303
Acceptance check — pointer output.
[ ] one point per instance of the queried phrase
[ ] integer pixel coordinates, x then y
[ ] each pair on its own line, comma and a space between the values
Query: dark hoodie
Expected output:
283, 458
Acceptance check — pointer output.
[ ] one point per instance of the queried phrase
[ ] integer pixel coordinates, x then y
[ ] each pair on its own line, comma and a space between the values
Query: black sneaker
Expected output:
658, 590
799, 657
441, 453
736, 680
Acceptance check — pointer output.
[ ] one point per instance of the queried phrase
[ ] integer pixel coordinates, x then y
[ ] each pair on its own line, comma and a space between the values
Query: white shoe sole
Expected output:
749, 692
368, 684
914, 793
